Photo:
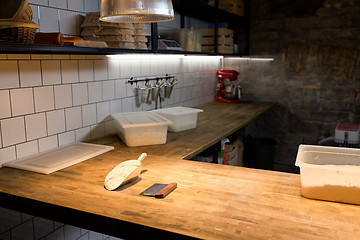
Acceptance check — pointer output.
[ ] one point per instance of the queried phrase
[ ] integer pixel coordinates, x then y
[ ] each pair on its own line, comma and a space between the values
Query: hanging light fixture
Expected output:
136, 11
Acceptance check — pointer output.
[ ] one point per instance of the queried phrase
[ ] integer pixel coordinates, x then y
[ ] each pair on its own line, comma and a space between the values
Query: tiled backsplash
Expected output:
48, 101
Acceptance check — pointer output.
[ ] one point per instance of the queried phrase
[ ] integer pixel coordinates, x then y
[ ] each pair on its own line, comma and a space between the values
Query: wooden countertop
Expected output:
211, 201
218, 121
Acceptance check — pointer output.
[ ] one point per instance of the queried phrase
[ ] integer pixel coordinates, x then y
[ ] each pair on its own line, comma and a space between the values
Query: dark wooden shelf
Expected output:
192, 8
200, 10
42, 49
13, 48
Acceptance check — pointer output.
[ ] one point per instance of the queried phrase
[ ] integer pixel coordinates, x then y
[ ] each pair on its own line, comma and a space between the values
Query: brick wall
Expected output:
315, 75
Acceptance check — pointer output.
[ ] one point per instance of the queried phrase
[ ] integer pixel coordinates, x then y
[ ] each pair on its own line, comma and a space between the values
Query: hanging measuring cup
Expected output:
169, 87
137, 95
155, 91
145, 94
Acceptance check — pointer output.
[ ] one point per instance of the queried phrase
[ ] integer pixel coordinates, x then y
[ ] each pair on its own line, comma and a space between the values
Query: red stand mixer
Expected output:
227, 92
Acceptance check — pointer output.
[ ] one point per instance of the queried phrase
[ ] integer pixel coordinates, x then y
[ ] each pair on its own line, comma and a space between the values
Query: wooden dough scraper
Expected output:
159, 190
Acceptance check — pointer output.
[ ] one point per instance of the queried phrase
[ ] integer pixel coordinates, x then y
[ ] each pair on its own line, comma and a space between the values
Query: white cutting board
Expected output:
53, 160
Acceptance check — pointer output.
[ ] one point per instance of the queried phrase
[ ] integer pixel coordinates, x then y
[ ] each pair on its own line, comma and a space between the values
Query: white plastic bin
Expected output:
329, 173
183, 118
346, 132
141, 128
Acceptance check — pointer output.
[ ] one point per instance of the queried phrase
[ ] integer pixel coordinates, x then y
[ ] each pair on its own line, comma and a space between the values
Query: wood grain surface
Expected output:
218, 121
211, 201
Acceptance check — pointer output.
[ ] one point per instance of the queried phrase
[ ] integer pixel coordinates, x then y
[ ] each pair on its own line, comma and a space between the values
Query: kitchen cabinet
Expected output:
191, 8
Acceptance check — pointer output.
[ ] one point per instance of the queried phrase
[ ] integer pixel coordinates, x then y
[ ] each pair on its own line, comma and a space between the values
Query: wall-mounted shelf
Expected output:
192, 8
41, 49
201, 10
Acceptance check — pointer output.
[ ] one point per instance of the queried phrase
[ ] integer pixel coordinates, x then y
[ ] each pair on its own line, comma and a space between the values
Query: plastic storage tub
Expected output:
183, 118
347, 133
141, 128
329, 173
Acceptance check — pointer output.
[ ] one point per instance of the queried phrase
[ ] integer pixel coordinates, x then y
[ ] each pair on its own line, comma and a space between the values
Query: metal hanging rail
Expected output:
135, 80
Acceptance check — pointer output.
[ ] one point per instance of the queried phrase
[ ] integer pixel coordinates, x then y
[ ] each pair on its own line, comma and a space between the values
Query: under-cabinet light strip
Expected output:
201, 56
249, 59
137, 56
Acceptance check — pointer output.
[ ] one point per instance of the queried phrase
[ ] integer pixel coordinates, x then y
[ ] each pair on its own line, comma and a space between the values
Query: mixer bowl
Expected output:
232, 91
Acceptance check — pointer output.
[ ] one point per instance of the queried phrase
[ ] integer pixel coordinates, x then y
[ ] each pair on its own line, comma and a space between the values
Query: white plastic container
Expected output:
346, 132
141, 128
329, 173
183, 118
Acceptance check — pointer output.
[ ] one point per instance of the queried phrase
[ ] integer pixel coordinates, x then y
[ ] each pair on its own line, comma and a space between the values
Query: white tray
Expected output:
53, 160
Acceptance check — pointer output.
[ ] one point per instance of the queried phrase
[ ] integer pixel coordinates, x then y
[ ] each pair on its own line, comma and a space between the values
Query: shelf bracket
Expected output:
154, 37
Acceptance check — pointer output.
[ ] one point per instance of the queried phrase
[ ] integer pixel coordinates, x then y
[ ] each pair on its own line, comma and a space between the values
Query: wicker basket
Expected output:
17, 31
16, 10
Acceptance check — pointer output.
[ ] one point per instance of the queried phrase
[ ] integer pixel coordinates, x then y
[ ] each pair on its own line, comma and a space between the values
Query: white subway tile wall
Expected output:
76, 5
69, 71
30, 74
5, 110
9, 77
12, 131
26, 149
66, 138
108, 90
22, 101
48, 143
80, 94
73, 118
100, 69
86, 70
89, 114
68, 23
51, 72
64, 98
95, 92
49, 19
35, 125
55, 121
58, 3
40, 107
44, 98
47, 101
